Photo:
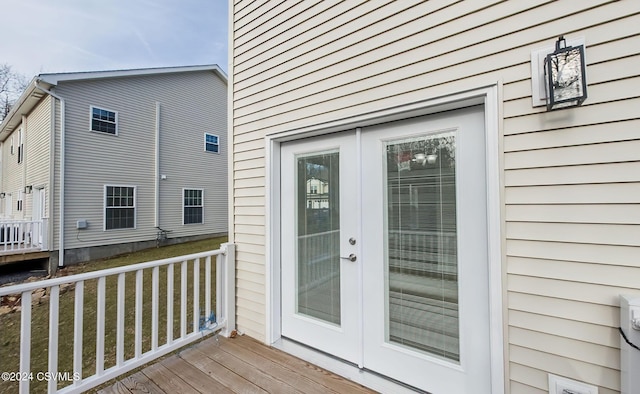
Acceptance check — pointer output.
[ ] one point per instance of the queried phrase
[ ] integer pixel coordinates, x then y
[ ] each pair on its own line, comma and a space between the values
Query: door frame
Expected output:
490, 97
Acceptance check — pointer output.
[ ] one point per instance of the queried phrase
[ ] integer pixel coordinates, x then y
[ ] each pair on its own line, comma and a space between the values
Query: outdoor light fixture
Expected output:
3, 195
28, 189
565, 76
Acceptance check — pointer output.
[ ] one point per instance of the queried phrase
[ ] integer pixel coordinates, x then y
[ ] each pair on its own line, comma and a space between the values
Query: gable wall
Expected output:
190, 104
570, 182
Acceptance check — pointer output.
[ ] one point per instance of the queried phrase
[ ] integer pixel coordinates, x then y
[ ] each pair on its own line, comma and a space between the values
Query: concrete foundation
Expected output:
81, 255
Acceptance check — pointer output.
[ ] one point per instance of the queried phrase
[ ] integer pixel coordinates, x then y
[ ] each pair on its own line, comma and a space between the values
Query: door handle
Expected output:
352, 257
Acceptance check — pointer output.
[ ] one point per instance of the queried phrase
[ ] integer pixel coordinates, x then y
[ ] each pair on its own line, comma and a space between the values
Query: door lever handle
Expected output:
352, 257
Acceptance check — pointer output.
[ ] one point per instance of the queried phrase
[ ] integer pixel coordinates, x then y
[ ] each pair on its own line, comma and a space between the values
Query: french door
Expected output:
384, 249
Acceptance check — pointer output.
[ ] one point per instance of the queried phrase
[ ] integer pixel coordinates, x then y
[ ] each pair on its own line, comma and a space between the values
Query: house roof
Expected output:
32, 95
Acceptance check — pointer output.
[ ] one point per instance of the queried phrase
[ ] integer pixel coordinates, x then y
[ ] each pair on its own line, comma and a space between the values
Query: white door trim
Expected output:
490, 97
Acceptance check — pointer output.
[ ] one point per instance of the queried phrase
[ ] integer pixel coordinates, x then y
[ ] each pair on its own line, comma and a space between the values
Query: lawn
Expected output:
10, 323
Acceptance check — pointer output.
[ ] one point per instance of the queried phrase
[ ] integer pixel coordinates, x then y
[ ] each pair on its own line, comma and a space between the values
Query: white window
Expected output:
20, 201
120, 207
211, 143
104, 121
192, 208
20, 146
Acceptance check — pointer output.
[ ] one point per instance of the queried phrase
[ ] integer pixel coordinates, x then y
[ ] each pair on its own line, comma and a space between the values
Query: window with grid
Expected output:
211, 143
120, 207
192, 206
104, 121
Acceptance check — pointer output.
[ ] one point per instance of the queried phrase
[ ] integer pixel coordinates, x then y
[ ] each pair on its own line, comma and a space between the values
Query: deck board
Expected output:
233, 365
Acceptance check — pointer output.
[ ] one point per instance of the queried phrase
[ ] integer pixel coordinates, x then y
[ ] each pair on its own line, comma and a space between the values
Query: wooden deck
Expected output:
233, 365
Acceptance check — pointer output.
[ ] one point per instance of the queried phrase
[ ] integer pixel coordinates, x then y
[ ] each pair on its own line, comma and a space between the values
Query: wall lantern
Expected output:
28, 189
565, 76
3, 195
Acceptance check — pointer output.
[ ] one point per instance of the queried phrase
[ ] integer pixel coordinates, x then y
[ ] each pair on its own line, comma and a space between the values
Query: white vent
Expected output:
629, 354
560, 385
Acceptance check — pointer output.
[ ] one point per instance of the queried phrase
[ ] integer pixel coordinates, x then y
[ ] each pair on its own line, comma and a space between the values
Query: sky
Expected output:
51, 36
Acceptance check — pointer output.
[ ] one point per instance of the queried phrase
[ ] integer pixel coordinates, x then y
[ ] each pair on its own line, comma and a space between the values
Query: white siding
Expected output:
571, 179
37, 157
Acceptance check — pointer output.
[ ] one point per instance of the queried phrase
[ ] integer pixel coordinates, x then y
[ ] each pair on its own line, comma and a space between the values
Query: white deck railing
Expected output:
202, 320
23, 235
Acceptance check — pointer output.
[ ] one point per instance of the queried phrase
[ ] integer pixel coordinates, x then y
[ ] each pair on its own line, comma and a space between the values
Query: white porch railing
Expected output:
194, 321
23, 235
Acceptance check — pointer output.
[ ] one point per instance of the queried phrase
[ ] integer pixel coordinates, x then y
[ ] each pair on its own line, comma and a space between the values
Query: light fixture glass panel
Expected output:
565, 73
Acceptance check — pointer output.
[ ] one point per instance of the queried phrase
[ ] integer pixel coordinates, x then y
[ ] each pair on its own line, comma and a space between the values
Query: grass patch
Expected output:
10, 323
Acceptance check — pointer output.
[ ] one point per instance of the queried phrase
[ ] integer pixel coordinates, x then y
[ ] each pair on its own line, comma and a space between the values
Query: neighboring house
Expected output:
475, 242
107, 157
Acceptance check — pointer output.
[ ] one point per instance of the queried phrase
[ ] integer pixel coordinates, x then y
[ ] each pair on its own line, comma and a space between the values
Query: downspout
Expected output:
62, 165
156, 220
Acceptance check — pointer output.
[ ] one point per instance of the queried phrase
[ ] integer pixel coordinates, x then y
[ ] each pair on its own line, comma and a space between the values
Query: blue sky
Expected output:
48, 36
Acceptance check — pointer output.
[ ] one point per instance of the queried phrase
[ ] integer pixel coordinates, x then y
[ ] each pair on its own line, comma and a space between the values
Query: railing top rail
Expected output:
15, 289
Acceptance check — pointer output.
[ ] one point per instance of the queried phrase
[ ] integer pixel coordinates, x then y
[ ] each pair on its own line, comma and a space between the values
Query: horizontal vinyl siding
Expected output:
38, 147
13, 173
190, 105
571, 177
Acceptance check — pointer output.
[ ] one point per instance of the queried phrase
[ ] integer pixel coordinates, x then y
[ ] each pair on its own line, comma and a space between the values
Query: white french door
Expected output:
320, 293
384, 249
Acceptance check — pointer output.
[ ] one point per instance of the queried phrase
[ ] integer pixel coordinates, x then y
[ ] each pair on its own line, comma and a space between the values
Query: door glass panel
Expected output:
421, 262
318, 236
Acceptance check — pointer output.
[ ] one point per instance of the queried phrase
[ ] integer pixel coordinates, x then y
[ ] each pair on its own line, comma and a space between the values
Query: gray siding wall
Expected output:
191, 103
571, 183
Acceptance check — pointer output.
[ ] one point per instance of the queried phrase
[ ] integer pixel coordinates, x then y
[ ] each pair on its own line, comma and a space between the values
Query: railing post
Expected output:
44, 234
229, 286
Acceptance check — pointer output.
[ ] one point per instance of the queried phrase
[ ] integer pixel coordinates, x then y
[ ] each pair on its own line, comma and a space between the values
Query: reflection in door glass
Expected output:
318, 232
421, 261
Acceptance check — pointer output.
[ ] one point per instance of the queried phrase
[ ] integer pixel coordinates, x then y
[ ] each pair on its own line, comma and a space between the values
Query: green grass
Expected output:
10, 323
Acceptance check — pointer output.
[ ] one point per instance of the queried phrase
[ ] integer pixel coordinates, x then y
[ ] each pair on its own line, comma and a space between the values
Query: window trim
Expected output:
91, 108
216, 144
104, 208
184, 206
20, 145
20, 201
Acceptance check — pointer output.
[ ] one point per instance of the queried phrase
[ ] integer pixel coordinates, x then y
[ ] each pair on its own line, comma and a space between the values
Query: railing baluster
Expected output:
78, 317
196, 295
183, 300
122, 364
169, 303
54, 304
138, 316
154, 307
207, 287
100, 311
120, 319
25, 340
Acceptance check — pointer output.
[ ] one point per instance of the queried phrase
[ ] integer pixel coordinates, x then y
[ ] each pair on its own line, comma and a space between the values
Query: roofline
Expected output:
14, 117
54, 78
25, 103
